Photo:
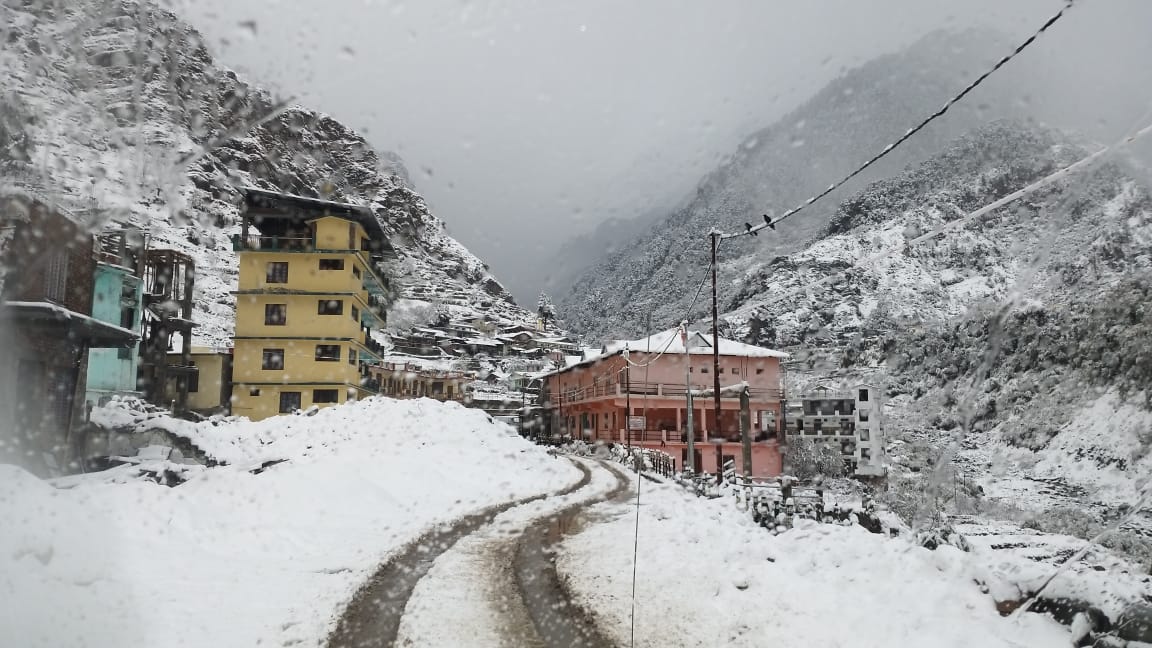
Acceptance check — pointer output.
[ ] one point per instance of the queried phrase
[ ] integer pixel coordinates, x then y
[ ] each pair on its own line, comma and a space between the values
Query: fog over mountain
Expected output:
527, 124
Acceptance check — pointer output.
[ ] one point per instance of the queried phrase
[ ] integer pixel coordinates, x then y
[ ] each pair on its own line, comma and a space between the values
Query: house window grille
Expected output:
277, 272
56, 279
289, 402
272, 360
275, 314
327, 352
325, 396
330, 307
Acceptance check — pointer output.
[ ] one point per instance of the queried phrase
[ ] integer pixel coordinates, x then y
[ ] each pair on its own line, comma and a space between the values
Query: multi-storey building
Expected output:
591, 399
47, 270
166, 368
848, 420
310, 296
118, 300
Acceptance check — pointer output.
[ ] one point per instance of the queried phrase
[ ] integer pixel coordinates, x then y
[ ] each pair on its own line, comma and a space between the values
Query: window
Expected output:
735, 370
864, 435
863, 396
759, 371
356, 272
330, 307
194, 381
327, 352
325, 396
277, 272
703, 369
355, 314
863, 416
275, 314
800, 425
273, 360
352, 355
865, 454
254, 391
56, 277
331, 264
817, 425
289, 402
128, 318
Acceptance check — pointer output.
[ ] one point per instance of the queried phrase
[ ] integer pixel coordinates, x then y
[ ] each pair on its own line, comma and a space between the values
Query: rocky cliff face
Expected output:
116, 111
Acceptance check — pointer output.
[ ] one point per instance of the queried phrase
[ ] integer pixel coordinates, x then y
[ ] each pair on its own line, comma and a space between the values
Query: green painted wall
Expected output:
113, 371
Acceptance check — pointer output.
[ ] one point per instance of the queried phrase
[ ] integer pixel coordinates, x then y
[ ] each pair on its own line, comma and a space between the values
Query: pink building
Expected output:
589, 400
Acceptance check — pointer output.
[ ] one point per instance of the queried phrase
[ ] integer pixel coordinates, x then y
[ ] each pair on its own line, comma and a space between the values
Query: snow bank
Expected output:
232, 558
707, 576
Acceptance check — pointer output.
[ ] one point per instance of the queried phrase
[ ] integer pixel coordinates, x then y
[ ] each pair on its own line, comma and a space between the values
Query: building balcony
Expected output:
669, 390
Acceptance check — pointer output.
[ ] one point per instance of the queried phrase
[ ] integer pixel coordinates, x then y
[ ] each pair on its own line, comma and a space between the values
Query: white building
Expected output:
849, 419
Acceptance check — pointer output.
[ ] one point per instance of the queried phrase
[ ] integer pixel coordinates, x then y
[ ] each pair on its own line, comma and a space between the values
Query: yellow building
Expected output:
309, 296
210, 383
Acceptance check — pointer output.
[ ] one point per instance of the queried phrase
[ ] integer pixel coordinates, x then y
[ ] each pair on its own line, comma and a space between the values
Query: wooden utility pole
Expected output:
715, 335
746, 433
628, 399
690, 463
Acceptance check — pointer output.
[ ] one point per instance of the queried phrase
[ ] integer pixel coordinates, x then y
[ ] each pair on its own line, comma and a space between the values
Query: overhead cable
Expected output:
770, 222
982, 211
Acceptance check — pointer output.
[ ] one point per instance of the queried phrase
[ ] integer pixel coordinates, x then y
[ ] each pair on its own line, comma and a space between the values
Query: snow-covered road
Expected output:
474, 594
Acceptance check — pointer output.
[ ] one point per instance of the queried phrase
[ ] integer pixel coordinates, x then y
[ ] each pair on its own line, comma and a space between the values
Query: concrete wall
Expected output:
266, 401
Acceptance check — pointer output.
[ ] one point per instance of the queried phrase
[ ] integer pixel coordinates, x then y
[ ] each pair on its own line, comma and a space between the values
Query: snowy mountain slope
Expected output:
127, 117
1027, 329
783, 164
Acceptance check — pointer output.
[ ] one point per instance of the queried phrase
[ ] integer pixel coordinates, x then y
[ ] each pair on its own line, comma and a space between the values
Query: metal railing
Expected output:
657, 389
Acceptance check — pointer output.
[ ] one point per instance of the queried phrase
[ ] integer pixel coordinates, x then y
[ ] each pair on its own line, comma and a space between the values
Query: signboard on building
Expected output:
636, 423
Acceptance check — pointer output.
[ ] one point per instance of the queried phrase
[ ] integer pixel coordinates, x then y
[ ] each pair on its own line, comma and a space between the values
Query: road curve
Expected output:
372, 618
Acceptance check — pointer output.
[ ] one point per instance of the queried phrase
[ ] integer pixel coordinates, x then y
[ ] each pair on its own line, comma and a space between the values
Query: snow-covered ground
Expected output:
707, 576
232, 558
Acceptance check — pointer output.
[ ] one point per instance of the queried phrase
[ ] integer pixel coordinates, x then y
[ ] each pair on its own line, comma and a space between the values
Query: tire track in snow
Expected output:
372, 618
498, 586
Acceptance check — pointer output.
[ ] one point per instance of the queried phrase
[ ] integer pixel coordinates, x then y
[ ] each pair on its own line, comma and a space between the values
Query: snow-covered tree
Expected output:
545, 308
808, 459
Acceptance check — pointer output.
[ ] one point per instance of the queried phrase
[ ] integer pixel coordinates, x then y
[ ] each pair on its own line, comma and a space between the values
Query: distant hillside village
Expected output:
93, 319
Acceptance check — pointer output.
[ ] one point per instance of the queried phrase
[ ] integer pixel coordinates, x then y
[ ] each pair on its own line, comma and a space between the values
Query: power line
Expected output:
982, 211
769, 222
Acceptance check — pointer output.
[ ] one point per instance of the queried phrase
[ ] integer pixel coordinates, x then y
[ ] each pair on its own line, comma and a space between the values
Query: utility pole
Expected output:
690, 464
628, 400
715, 236
746, 433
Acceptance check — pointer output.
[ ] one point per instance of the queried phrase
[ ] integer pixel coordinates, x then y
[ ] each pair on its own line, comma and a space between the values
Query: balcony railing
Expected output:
677, 390
287, 243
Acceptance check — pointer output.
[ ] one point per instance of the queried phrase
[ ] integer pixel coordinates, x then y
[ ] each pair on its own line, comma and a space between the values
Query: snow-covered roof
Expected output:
698, 344
670, 342
98, 333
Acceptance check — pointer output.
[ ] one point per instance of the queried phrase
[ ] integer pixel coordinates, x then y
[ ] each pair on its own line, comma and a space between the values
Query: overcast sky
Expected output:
526, 122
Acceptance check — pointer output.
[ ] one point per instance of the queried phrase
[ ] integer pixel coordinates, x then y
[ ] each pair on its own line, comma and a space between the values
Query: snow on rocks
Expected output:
232, 558
707, 576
